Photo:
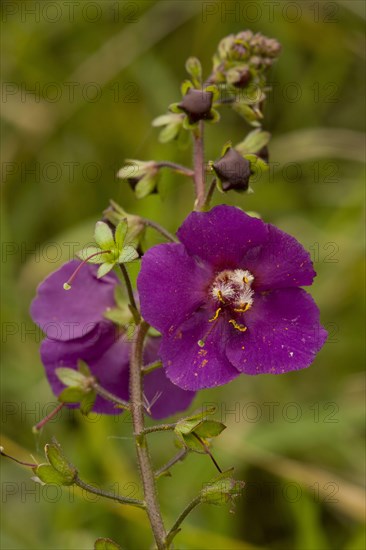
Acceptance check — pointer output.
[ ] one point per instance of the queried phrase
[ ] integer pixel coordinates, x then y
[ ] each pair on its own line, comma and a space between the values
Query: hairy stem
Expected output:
146, 369
160, 428
143, 456
177, 167
110, 396
199, 166
159, 229
105, 494
185, 513
177, 458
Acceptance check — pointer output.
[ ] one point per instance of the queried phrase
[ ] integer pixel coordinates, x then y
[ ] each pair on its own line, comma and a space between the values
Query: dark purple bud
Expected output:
244, 77
197, 105
233, 171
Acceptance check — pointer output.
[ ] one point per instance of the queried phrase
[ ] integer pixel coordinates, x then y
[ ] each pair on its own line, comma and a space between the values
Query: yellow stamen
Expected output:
217, 313
246, 280
243, 308
219, 295
236, 325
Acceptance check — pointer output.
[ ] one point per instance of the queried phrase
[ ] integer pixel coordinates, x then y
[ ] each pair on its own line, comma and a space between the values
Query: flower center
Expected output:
232, 289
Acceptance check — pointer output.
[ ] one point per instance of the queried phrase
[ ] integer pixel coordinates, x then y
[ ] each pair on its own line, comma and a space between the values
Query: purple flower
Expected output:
76, 329
227, 300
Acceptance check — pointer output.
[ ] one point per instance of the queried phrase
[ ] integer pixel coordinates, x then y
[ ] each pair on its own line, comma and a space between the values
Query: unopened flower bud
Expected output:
233, 171
197, 105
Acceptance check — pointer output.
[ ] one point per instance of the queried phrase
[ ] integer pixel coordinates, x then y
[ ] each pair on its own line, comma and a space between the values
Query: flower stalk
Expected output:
199, 166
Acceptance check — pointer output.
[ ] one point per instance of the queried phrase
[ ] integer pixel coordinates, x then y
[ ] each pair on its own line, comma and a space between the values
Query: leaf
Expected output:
59, 462
83, 368
89, 251
120, 234
103, 236
106, 544
71, 377
104, 269
221, 491
128, 254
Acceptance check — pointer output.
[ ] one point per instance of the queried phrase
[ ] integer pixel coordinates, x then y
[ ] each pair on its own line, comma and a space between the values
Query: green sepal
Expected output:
59, 462
250, 114
71, 395
104, 268
103, 236
106, 544
87, 402
120, 233
89, 251
71, 377
128, 254
83, 368
186, 85
209, 428
256, 163
254, 142
47, 474
170, 132
174, 108
194, 69
215, 116
222, 489
145, 186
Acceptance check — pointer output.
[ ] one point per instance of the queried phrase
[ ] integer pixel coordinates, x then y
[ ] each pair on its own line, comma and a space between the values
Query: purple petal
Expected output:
106, 357
279, 263
171, 286
69, 314
167, 398
222, 236
284, 334
192, 367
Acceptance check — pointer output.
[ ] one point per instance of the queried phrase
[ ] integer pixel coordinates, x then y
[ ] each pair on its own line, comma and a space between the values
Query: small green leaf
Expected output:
192, 443
59, 462
104, 269
120, 234
89, 251
118, 316
221, 491
128, 254
106, 544
71, 377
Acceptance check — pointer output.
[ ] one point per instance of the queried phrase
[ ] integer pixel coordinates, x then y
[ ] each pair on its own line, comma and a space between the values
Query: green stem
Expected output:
105, 494
110, 396
177, 458
160, 229
210, 193
146, 369
184, 514
142, 450
134, 310
199, 166
177, 167
160, 428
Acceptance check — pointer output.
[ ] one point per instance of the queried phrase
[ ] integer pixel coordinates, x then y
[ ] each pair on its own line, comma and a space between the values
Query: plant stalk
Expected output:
199, 166
143, 456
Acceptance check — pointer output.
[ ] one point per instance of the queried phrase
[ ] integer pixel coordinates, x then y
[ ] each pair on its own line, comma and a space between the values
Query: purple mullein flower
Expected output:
227, 300
76, 329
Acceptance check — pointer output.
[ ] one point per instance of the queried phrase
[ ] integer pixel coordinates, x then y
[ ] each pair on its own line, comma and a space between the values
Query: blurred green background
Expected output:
81, 83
